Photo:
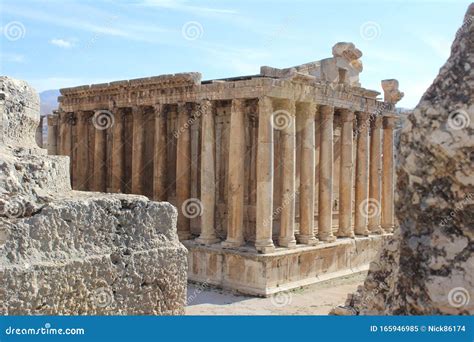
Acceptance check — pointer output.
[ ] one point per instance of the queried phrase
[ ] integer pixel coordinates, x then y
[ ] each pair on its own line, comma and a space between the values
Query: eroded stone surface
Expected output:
428, 267
71, 252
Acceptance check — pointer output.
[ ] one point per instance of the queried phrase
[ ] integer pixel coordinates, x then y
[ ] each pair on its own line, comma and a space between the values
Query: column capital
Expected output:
52, 119
347, 115
327, 112
377, 122
389, 122
362, 115
69, 118
137, 109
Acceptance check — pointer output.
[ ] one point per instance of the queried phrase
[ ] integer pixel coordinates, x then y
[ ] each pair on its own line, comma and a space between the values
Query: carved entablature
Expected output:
332, 81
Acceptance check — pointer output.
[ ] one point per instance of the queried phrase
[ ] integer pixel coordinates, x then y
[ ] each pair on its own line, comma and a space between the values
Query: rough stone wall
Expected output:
70, 252
428, 267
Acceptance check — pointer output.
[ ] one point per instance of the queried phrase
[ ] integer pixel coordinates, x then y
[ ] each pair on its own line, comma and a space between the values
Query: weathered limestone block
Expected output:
343, 68
428, 267
71, 252
391, 92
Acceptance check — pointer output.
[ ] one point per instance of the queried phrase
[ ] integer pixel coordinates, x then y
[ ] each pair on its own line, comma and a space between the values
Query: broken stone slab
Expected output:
343, 68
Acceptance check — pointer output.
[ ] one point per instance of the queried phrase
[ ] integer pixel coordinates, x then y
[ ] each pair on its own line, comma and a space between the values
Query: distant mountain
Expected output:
49, 101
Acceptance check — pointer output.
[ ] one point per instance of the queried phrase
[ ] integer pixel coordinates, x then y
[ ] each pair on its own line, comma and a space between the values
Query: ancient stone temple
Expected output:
280, 179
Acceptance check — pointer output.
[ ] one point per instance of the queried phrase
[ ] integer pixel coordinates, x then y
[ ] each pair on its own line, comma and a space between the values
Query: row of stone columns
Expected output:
373, 181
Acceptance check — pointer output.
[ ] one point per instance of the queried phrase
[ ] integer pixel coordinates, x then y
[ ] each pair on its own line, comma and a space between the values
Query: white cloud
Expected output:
62, 43
12, 57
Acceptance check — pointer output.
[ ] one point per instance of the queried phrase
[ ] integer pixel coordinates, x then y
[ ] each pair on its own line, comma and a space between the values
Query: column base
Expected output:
346, 234
307, 240
287, 242
388, 229
327, 238
232, 243
362, 232
376, 230
207, 240
265, 246
183, 235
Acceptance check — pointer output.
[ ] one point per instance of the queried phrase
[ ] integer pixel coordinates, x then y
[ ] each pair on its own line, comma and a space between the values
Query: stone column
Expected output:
264, 215
345, 175
208, 174
305, 122
325, 174
99, 157
388, 223
288, 161
183, 172
116, 162
52, 134
160, 154
39, 132
362, 175
375, 175
138, 144
65, 143
82, 160
235, 218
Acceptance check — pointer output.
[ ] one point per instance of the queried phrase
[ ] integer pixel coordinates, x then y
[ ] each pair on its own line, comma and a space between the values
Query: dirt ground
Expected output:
316, 299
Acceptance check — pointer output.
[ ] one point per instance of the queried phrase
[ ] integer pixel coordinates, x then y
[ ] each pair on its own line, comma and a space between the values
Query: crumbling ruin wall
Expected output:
428, 267
71, 252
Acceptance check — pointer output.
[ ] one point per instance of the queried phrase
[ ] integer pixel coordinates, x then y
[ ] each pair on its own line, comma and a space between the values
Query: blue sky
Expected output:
54, 44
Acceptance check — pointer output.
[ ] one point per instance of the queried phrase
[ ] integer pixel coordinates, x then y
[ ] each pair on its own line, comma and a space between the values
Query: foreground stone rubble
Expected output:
71, 252
428, 267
